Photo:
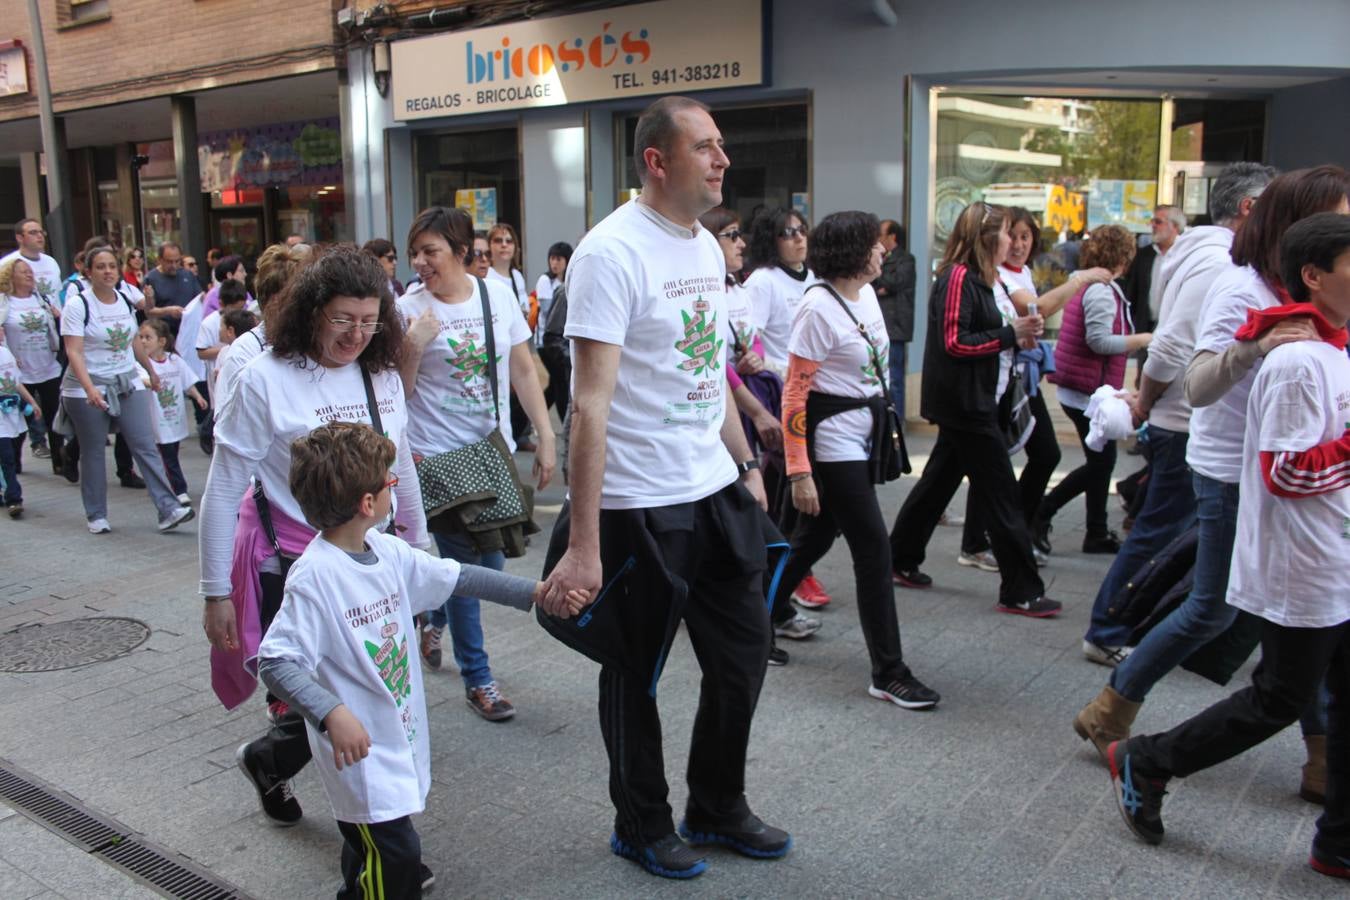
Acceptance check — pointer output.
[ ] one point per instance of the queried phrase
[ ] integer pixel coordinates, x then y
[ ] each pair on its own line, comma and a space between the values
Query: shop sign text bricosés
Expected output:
668, 47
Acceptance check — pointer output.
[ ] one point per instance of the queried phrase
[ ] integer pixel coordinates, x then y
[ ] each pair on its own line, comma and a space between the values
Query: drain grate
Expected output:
164, 871
66, 645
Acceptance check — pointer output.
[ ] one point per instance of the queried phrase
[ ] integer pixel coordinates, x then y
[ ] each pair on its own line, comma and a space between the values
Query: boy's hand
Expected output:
351, 744
200, 401
575, 602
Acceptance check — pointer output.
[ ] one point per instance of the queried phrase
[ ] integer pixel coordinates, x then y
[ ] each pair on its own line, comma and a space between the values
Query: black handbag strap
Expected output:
871, 348
491, 351
371, 405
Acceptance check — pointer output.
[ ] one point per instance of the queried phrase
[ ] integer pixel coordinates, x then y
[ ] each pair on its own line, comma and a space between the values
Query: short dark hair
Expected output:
334, 466
18, 226
1292, 196
842, 243
1315, 241
1018, 215
167, 244
763, 244
895, 230
451, 223
378, 247
717, 218
561, 249
656, 128
239, 320
226, 267
292, 320
160, 326
231, 292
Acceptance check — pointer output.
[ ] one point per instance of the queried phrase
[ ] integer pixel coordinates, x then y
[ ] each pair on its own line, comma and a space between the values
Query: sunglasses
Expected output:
733, 235
392, 257
502, 239
792, 231
478, 254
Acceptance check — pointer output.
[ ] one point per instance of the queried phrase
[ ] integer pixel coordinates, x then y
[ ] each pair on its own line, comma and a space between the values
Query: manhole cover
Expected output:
66, 645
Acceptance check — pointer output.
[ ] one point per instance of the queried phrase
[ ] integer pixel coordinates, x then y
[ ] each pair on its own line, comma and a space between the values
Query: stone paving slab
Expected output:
991, 795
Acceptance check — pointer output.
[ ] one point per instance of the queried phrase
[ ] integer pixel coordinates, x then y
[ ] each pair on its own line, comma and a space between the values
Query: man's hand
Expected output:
579, 571
754, 483
351, 744
1298, 328
218, 622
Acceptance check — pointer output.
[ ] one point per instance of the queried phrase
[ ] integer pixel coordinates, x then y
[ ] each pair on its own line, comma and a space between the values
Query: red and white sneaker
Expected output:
811, 594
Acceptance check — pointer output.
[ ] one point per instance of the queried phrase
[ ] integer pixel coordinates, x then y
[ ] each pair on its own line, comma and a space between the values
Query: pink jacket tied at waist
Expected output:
234, 673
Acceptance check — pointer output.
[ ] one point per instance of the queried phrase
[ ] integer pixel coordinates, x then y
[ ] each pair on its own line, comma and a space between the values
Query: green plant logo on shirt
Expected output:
701, 345
8, 386
745, 333
470, 361
33, 322
119, 338
391, 658
168, 398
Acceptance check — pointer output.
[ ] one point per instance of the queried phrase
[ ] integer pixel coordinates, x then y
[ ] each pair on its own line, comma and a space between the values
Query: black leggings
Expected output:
1092, 479
48, 395
1042, 456
848, 503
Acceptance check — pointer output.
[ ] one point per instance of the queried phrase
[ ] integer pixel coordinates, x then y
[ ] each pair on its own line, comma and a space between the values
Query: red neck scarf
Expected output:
1259, 321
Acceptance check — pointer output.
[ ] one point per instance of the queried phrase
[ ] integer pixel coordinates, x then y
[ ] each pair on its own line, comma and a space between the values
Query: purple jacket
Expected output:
1077, 366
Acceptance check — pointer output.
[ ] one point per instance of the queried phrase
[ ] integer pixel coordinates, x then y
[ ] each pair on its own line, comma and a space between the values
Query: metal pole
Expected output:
60, 227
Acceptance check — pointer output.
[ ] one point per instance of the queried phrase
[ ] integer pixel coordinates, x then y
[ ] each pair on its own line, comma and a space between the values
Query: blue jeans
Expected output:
462, 613
898, 377
1205, 613
1168, 510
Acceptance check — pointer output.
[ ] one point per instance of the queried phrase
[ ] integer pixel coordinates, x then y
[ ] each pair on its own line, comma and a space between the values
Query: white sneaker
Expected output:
1105, 656
184, 499
180, 515
798, 628
984, 560
99, 526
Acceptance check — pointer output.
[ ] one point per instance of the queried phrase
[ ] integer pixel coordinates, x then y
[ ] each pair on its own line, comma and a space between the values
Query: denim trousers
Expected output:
1205, 613
462, 614
1168, 510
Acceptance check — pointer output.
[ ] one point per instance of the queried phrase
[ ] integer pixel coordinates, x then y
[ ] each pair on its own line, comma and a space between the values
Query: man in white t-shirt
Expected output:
1293, 527
662, 510
32, 242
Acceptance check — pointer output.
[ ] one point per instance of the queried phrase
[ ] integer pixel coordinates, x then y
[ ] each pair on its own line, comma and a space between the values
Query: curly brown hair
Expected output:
341, 270
1111, 247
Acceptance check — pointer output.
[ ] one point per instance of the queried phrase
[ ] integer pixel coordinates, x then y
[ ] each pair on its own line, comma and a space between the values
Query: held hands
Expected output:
1028, 328
574, 601
804, 497
219, 624
351, 744
577, 571
1299, 328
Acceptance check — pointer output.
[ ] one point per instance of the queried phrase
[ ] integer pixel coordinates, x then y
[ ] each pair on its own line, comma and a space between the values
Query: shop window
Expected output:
74, 12
477, 170
769, 152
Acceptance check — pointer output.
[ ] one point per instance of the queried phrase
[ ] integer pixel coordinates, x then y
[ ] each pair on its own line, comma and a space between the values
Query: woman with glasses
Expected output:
31, 320
480, 258
505, 263
335, 338
134, 269
969, 342
446, 377
384, 251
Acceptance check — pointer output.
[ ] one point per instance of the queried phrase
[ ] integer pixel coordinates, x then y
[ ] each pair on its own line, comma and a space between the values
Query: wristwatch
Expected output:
743, 467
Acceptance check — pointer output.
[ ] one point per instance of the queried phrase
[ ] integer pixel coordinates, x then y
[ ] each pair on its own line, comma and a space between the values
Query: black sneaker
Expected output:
748, 837
907, 692
1328, 863
1040, 536
669, 857
1138, 794
70, 470
1102, 543
131, 480
1039, 608
278, 803
912, 578
777, 655
428, 877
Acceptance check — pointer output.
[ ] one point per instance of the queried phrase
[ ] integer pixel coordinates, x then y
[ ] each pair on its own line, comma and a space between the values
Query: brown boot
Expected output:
1314, 786
1107, 718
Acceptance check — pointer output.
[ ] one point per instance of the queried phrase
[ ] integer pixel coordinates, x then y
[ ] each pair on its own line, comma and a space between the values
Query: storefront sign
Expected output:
1128, 203
13, 69
293, 153
480, 204
669, 47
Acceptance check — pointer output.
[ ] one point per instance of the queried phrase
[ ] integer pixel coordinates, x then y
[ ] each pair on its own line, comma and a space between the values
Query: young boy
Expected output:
209, 343
1293, 525
338, 652
233, 322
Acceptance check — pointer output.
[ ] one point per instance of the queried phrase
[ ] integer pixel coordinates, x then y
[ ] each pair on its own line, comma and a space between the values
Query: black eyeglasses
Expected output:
392, 257
792, 231
733, 235
347, 325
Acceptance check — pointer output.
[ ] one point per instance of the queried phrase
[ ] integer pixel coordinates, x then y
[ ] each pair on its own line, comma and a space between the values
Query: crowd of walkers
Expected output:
731, 395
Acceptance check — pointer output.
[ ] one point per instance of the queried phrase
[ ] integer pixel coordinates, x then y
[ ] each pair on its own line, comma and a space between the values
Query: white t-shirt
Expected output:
515, 284
46, 272
451, 404
188, 328
1008, 311
171, 416
108, 330
543, 292
11, 422
1290, 568
657, 289
276, 402
775, 295
1017, 279
27, 325
208, 337
1215, 446
246, 348
741, 318
824, 333
351, 625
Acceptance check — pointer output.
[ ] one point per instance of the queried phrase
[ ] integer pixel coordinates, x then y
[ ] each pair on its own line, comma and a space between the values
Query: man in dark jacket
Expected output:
895, 294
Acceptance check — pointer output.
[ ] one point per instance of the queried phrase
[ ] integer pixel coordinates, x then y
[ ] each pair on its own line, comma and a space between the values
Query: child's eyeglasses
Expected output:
392, 482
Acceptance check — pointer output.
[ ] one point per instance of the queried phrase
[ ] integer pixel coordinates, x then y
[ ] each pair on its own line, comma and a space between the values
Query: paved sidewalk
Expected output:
991, 795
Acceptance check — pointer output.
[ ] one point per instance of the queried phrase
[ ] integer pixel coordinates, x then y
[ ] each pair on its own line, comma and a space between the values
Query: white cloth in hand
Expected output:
1109, 417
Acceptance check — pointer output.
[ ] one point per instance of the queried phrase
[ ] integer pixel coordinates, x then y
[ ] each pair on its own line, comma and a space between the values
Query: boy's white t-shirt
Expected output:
189, 326
351, 625
171, 416
11, 422
276, 401
451, 404
657, 289
27, 324
824, 333
1214, 448
108, 330
1290, 566
775, 295
246, 347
